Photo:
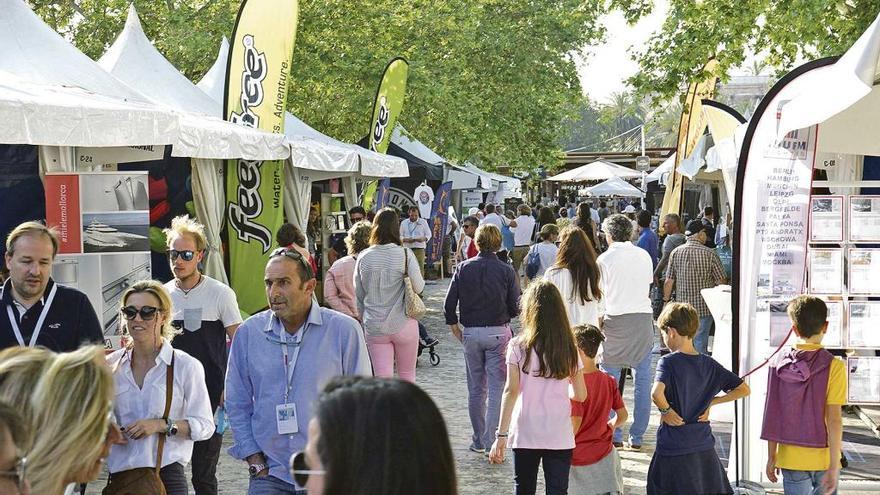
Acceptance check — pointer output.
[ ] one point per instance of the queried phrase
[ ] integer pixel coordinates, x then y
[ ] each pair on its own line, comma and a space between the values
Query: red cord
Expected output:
756, 368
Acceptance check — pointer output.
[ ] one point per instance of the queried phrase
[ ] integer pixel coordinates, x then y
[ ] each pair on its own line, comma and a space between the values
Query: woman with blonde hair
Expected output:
159, 424
65, 401
576, 275
543, 376
392, 336
339, 283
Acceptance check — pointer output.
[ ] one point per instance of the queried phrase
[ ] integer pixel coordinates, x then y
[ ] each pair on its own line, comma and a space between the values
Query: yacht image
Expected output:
101, 235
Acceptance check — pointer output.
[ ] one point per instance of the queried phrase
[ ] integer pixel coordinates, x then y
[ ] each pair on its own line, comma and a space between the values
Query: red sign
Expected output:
63, 211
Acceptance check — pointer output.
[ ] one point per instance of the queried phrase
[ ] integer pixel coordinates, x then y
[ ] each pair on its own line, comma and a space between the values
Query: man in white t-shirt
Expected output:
415, 234
498, 220
523, 234
206, 312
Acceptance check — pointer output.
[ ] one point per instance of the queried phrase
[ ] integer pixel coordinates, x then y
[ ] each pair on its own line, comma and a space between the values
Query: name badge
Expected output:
285, 418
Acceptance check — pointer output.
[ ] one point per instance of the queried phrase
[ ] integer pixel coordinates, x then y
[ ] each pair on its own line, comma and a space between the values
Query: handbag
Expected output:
413, 305
145, 480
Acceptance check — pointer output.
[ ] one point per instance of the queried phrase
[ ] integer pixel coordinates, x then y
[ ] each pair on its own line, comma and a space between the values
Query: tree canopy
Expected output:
490, 80
782, 32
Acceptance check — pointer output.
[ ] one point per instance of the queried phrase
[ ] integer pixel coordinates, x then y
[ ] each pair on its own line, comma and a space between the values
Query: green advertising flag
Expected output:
388, 104
257, 77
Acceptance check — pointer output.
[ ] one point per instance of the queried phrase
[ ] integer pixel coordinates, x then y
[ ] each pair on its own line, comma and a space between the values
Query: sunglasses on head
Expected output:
300, 471
294, 255
18, 476
146, 312
186, 255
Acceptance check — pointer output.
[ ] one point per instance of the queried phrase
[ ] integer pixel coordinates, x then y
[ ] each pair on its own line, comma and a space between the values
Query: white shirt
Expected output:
419, 228
626, 277
579, 313
547, 253
594, 215
424, 197
189, 401
524, 230
495, 219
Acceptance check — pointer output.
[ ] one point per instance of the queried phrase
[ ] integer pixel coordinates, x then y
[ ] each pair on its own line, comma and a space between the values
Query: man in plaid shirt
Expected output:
692, 268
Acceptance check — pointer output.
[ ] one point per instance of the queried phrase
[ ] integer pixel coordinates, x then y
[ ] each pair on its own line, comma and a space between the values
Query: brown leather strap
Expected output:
169, 389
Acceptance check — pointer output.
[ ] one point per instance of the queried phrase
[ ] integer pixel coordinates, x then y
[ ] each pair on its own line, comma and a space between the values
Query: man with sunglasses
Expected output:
36, 311
279, 361
466, 247
206, 310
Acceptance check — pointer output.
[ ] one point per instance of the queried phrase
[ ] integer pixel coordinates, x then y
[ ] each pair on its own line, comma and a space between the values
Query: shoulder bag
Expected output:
413, 305
145, 481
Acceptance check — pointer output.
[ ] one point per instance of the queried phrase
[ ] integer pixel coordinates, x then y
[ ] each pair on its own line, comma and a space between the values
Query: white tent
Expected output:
658, 174
314, 156
597, 170
615, 186
39, 70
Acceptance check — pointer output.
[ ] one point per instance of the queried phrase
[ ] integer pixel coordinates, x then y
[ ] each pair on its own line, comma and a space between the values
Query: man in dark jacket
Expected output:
485, 291
35, 310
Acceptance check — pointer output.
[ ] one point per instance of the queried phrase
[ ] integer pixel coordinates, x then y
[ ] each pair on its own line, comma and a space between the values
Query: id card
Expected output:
285, 418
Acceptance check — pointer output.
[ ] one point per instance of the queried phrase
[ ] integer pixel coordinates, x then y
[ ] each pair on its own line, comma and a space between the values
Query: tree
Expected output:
785, 31
490, 80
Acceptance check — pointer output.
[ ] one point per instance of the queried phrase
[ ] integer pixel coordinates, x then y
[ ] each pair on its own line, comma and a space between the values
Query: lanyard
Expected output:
412, 227
40, 320
290, 360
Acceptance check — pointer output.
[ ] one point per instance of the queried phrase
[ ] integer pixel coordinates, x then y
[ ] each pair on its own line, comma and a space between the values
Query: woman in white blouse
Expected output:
140, 371
576, 274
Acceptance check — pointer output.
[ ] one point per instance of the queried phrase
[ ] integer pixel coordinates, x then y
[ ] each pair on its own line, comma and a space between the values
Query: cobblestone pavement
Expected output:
446, 385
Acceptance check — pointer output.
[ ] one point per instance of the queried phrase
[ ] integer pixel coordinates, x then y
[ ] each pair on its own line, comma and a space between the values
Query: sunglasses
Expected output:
147, 312
294, 255
18, 475
468, 226
186, 255
300, 471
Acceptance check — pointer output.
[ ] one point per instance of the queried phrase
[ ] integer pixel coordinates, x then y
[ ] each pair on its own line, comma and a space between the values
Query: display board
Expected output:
103, 222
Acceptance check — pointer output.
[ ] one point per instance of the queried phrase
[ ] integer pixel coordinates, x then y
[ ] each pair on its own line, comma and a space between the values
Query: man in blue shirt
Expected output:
647, 238
486, 292
279, 361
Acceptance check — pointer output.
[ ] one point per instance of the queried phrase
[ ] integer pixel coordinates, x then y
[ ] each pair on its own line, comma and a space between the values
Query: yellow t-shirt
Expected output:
810, 458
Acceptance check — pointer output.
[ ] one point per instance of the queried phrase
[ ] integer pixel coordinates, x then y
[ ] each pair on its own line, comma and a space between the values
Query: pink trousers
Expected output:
402, 347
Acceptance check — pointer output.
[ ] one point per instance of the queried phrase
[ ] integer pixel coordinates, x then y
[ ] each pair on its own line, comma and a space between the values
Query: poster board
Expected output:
103, 221
864, 218
826, 218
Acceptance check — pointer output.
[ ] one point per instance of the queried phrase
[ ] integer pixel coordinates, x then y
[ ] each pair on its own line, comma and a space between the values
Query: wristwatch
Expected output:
170, 428
664, 411
254, 469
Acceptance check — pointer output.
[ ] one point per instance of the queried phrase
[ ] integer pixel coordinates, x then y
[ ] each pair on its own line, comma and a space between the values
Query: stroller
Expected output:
429, 343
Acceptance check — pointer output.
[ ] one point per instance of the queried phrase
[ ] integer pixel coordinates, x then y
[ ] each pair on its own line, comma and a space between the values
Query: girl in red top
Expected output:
595, 465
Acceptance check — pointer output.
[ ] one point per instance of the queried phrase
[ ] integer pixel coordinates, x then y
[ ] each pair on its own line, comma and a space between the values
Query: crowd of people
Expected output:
310, 391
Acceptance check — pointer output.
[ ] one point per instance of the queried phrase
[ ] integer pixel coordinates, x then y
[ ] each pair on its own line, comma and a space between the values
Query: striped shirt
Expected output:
378, 286
694, 267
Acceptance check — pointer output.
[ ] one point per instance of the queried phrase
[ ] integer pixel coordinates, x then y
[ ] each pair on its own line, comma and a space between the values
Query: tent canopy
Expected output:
135, 61
52, 94
597, 170
656, 175
615, 186
310, 149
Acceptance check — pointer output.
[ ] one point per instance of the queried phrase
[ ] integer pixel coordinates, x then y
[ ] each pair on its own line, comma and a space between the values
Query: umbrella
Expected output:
598, 170
614, 186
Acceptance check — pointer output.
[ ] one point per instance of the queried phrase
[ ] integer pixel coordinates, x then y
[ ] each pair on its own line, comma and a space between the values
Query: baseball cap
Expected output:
629, 209
694, 227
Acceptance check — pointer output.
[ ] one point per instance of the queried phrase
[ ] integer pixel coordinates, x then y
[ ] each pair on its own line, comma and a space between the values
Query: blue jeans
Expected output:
802, 482
557, 464
270, 485
484, 350
642, 394
701, 339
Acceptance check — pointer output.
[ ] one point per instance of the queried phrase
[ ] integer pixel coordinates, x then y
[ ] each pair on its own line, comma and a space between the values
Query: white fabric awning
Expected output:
847, 81
597, 170
615, 186
203, 134
657, 174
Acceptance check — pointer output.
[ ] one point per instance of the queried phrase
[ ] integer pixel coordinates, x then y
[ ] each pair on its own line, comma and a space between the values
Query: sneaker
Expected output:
618, 445
430, 342
477, 450
633, 447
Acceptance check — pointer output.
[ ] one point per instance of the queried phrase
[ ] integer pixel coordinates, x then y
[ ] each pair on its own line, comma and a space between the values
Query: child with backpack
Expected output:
543, 375
806, 386
595, 465
685, 388
543, 254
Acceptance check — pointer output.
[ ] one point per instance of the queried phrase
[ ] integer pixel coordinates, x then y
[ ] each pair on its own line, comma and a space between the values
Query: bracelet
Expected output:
498, 434
664, 410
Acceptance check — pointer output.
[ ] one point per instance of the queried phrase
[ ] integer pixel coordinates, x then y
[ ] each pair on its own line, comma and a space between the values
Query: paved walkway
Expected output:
446, 385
